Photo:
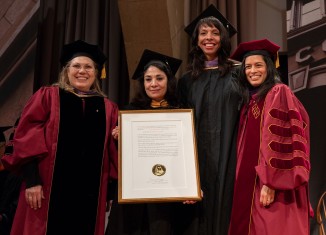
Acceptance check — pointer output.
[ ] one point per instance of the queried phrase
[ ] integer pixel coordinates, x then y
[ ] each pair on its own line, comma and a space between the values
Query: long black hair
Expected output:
196, 55
142, 100
272, 78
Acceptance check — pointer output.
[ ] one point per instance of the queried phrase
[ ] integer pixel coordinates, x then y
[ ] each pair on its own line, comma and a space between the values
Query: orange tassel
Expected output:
277, 62
103, 72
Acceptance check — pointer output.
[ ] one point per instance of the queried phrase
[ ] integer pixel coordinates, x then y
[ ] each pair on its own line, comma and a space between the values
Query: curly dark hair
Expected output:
272, 78
142, 100
196, 55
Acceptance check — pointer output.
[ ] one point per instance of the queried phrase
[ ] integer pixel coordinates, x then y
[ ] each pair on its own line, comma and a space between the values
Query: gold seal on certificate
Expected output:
158, 169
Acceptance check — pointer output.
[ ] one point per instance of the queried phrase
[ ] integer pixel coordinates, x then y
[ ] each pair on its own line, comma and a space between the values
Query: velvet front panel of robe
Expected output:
247, 158
77, 172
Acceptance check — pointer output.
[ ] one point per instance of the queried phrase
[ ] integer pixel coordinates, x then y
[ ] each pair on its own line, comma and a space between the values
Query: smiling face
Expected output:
81, 73
155, 83
255, 70
209, 40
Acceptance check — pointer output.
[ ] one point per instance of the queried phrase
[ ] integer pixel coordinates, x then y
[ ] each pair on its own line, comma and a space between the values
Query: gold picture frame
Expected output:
157, 156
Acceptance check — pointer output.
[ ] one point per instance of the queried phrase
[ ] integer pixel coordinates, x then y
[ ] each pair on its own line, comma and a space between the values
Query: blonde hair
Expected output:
63, 80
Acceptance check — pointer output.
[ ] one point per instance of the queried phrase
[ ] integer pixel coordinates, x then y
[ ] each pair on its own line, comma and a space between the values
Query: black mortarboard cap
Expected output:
211, 10
82, 48
149, 55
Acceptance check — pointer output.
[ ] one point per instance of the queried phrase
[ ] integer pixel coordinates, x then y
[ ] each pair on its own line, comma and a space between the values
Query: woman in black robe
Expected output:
210, 88
157, 90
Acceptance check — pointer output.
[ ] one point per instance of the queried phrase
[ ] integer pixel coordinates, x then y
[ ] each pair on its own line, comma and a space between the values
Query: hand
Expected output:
109, 205
34, 196
189, 202
193, 202
266, 195
115, 133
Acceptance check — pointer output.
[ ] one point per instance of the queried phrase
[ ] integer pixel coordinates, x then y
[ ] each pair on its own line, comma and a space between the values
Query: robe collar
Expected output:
159, 104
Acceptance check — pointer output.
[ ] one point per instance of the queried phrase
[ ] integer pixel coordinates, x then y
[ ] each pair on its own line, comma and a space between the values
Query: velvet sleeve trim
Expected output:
285, 145
31, 174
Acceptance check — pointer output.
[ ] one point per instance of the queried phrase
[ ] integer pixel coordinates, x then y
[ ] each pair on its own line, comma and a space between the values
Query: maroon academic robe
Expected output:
36, 137
273, 150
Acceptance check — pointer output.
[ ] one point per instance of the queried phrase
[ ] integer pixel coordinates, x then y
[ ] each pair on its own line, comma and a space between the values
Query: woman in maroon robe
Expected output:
273, 151
64, 150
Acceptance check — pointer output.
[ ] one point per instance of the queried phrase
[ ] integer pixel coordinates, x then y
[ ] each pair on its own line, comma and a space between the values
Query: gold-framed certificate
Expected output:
157, 156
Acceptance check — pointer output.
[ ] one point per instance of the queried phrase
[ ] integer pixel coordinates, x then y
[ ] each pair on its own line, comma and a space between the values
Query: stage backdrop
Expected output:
306, 34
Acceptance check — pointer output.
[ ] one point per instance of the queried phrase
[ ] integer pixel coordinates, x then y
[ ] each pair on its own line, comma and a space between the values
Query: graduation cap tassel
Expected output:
277, 61
103, 72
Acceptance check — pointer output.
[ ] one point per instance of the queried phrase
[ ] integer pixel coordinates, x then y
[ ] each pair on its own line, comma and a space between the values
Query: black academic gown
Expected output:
215, 101
143, 218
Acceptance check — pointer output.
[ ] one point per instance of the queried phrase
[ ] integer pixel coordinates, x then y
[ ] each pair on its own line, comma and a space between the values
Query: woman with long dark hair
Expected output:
273, 149
210, 88
155, 75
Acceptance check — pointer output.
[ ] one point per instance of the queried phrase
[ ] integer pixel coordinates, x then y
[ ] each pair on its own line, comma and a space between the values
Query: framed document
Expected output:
157, 156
